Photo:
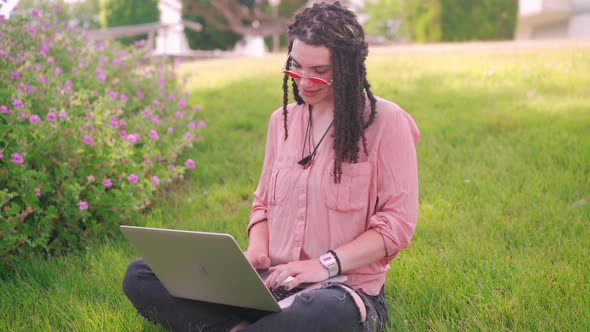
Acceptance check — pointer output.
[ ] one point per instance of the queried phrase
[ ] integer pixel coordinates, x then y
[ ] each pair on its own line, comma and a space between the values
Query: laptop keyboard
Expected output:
281, 293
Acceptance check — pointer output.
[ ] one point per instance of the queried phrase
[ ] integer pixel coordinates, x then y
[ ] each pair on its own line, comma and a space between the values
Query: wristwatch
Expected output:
329, 262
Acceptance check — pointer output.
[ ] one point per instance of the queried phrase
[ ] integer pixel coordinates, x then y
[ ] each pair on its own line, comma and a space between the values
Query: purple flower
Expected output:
32, 31
148, 162
153, 134
202, 124
38, 192
122, 123
192, 125
22, 116
83, 205
182, 103
51, 117
17, 158
35, 13
170, 130
69, 85
158, 158
1, 154
17, 103
133, 178
155, 180
113, 95
44, 49
188, 136
24, 88
63, 114
189, 163
107, 182
114, 123
42, 79
146, 112
15, 75
124, 97
4, 109
197, 108
155, 120
179, 115
123, 134
34, 119
117, 62
139, 94
132, 139
88, 139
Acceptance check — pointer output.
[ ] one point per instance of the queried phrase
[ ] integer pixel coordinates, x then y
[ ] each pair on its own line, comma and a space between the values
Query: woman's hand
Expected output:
307, 271
258, 259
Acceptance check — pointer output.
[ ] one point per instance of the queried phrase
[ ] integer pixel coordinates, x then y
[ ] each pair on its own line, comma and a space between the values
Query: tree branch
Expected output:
230, 15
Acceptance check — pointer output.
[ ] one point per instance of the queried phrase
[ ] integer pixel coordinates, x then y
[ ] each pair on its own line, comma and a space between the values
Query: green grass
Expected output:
503, 240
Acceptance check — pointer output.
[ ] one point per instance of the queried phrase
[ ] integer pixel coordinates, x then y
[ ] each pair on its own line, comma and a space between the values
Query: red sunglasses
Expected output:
298, 76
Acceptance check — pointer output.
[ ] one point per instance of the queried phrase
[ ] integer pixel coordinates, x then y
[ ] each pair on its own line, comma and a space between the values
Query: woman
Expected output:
338, 193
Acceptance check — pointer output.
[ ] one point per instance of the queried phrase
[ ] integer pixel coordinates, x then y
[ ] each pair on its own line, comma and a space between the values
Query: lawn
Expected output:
503, 240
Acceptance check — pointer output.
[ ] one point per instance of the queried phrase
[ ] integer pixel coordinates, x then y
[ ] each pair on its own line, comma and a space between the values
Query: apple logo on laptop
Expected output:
199, 270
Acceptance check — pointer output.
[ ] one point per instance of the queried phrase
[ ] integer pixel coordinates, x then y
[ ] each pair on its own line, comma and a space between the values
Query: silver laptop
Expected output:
206, 266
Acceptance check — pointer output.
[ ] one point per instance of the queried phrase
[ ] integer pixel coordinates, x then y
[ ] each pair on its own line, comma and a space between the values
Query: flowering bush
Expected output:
90, 135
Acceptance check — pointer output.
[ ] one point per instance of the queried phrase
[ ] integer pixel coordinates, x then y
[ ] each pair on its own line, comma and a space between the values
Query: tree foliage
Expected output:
245, 17
478, 20
114, 13
225, 21
442, 20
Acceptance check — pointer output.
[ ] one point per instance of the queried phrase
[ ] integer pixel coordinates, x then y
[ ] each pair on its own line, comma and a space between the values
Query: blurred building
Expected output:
553, 19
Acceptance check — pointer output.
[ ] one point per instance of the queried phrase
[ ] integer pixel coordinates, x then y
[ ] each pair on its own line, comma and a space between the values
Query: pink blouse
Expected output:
308, 213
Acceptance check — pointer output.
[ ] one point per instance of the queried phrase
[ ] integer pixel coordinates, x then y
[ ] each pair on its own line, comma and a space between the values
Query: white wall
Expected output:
580, 26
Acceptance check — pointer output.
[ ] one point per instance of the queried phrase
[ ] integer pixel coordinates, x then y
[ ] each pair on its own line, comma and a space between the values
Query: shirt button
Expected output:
302, 188
300, 217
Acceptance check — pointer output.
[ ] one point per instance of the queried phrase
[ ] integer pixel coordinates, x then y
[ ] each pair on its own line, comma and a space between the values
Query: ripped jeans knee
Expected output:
368, 316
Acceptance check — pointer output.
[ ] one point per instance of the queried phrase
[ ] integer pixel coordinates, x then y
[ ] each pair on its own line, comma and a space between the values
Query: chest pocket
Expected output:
280, 181
352, 193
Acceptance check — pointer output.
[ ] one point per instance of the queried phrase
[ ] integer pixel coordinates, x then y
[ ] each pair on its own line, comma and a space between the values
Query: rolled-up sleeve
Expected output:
259, 208
396, 211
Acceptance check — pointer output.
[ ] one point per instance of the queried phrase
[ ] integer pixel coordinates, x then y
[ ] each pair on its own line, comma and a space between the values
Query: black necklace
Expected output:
306, 161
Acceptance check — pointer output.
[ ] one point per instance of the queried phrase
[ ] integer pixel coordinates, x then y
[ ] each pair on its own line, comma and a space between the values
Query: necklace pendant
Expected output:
305, 161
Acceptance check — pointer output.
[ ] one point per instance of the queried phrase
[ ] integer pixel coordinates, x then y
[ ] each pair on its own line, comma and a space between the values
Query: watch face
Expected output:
327, 260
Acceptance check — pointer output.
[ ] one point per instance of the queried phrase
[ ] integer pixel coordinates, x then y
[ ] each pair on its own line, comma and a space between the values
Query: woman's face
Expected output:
313, 61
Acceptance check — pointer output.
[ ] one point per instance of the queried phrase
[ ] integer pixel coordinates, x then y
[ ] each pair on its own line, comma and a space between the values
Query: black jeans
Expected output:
330, 308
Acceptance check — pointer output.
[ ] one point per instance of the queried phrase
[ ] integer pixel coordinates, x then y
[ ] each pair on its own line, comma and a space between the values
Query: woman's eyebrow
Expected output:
314, 67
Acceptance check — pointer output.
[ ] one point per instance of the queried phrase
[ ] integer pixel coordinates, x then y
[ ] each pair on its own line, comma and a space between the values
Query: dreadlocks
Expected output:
337, 28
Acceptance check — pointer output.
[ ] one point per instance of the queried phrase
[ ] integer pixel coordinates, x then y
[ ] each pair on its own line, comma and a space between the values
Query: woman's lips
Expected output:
309, 93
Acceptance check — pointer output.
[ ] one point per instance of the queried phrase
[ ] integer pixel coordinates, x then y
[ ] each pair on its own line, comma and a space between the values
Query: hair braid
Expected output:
285, 102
